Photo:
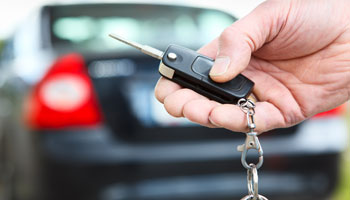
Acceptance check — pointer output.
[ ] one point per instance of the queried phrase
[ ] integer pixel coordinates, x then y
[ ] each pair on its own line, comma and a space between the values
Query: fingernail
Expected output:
211, 121
220, 66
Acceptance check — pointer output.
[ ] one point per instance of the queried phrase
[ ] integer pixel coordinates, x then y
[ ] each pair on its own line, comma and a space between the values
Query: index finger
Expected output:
164, 88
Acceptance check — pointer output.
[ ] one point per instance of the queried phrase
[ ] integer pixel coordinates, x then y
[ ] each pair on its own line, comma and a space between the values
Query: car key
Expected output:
191, 70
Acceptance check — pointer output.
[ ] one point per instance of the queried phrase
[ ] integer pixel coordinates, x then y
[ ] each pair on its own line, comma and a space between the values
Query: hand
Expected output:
296, 51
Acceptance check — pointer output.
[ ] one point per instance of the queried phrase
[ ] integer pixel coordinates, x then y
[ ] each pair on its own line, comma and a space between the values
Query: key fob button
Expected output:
202, 66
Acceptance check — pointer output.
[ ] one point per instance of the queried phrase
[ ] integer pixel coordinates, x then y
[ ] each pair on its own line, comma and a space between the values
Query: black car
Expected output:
78, 117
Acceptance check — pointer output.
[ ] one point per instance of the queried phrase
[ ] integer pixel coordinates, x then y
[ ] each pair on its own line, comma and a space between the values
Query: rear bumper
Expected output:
221, 186
99, 145
306, 177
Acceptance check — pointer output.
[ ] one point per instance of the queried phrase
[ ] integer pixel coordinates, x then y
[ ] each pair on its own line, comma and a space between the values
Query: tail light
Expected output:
64, 97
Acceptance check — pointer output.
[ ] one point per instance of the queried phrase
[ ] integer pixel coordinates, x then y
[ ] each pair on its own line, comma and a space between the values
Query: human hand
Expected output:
296, 51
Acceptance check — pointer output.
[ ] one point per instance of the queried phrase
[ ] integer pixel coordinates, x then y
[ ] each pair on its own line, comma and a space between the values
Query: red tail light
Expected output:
64, 97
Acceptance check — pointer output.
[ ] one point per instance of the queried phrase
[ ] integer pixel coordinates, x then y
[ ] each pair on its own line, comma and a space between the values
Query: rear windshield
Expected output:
86, 27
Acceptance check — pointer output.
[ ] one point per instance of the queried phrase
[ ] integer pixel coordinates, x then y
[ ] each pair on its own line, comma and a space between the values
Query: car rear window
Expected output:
86, 27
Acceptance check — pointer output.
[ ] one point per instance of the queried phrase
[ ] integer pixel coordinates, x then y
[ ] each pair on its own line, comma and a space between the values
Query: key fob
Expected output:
191, 70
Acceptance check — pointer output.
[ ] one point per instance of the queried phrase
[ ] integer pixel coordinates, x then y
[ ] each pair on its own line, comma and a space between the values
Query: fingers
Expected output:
198, 111
175, 102
237, 42
231, 117
186, 103
182, 102
165, 87
212, 114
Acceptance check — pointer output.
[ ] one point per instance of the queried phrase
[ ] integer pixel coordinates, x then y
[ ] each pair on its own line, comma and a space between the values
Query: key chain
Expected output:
251, 142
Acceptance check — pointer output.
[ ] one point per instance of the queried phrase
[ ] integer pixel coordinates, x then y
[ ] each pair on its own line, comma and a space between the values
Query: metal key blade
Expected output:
143, 48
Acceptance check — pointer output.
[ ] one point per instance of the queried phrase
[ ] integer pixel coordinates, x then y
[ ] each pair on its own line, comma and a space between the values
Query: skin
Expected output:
296, 51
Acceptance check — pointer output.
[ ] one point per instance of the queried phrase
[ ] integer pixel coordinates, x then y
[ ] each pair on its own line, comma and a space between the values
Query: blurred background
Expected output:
78, 118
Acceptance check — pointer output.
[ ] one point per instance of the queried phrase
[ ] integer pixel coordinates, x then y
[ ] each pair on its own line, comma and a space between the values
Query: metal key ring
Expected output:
250, 197
253, 182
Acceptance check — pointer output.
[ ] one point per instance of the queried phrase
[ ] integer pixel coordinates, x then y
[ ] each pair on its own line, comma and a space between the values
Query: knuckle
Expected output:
173, 105
193, 113
187, 111
226, 35
214, 117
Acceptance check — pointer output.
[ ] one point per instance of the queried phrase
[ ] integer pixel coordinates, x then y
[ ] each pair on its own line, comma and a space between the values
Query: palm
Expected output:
292, 88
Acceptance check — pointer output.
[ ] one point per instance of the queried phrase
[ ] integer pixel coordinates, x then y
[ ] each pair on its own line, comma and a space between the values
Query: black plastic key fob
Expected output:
191, 70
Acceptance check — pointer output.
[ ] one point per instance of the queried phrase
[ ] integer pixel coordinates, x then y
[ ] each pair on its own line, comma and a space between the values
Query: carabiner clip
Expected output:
251, 142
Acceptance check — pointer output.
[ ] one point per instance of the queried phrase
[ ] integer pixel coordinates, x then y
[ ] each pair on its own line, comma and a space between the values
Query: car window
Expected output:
87, 27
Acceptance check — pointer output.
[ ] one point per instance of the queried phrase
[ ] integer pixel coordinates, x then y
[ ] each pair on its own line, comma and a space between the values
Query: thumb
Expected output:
238, 41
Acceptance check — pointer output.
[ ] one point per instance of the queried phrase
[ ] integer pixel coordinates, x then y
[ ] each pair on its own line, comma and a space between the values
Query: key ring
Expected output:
250, 197
253, 185
253, 181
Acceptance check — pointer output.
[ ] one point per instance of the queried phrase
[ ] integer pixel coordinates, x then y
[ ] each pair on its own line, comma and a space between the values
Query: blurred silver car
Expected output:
78, 119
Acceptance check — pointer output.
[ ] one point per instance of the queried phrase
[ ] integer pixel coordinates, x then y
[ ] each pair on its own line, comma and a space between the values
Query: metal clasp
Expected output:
251, 142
